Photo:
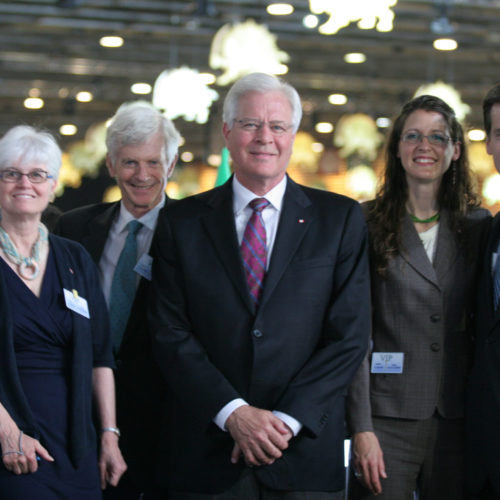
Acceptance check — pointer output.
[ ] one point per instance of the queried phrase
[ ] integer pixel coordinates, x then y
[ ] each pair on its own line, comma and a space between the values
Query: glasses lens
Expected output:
37, 176
437, 139
11, 175
412, 137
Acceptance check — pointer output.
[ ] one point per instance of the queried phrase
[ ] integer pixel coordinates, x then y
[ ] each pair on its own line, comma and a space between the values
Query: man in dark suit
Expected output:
260, 317
142, 152
483, 405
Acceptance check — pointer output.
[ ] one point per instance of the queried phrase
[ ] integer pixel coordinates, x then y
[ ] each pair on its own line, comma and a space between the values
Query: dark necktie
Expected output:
254, 249
123, 285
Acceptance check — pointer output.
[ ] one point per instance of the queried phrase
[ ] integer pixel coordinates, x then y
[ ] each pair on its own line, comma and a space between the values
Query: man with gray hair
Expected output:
260, 315
142, 152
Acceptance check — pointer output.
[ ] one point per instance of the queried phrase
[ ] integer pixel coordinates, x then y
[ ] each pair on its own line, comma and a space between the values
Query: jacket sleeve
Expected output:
328, 372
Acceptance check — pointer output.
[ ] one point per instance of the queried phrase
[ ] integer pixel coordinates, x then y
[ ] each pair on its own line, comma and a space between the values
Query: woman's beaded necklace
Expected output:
433, 218
27, 267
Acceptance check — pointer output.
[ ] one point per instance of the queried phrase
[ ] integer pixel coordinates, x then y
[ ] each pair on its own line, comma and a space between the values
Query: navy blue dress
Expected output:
42, 342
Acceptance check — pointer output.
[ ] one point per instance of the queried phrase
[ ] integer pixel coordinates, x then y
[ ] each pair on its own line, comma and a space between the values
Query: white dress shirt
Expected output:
116, 241
270, 215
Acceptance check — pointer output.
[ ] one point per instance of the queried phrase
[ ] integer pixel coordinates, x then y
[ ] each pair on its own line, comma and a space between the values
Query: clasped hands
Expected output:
259, 435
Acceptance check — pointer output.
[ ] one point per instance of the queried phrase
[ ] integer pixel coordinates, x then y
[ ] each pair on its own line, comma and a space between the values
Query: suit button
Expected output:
257, 334
435, 318
435, 347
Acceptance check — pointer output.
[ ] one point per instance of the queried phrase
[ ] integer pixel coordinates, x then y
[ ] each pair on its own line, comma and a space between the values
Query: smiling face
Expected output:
259, 148
24, 199
493, 141
141, 174
424, 162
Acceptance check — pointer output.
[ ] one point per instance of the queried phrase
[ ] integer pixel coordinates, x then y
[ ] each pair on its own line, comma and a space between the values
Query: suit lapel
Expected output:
295, 219
221, 230
487, 282
414, 254
447, 249
97, 232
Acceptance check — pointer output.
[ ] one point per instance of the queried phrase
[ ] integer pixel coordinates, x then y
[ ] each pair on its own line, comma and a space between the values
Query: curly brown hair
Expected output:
457, 192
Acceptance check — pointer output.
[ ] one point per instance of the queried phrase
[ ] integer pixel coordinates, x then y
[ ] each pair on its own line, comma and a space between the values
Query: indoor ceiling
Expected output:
54, 45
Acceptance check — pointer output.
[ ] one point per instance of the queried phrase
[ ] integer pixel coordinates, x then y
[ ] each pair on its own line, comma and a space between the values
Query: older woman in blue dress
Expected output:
55, 350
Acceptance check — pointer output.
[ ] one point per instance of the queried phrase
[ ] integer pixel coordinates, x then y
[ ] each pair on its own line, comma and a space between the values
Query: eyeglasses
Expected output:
436, 139
276, 128
12, 175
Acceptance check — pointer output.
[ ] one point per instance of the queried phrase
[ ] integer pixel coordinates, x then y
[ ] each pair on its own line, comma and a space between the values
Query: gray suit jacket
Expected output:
424, 311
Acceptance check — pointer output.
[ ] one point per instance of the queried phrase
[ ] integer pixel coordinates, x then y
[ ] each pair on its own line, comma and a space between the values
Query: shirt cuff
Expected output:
293, 423
223, 415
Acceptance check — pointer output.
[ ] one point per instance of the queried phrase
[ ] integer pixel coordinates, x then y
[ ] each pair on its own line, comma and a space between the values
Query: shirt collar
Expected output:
148, 219
243, 196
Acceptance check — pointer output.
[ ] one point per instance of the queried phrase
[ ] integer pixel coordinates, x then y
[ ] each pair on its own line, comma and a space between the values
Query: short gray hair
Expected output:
260, 83
137, 121
26, 145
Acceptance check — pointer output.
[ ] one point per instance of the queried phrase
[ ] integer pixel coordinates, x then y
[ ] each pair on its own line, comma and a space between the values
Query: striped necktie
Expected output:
254, 249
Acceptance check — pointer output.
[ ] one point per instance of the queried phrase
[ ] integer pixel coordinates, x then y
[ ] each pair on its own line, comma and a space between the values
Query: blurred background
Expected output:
67, 65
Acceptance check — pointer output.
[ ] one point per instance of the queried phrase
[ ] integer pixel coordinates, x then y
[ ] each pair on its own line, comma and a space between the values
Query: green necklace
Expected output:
433, 218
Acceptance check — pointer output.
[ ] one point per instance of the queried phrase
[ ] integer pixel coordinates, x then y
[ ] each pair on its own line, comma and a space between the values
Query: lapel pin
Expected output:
71, 270
301, 221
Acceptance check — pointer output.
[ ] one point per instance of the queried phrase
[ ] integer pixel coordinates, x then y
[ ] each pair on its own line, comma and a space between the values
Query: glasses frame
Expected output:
18, 176
244, 122
431, 139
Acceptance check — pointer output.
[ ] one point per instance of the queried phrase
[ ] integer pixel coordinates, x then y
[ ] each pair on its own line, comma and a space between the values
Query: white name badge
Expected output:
143, 267
387, 362
76, 303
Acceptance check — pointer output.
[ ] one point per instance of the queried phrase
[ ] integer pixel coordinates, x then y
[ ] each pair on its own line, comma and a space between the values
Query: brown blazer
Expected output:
423, 310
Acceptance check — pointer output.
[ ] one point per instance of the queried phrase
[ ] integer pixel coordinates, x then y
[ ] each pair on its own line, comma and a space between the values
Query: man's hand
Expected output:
369, 464
258, 434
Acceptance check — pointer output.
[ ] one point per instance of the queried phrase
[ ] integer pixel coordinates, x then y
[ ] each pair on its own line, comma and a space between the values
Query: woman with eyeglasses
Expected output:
406, 403
55, 348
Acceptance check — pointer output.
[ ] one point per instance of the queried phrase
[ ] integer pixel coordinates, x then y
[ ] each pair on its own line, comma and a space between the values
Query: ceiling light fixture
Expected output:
310, 21
68, 129
279, 9
476, 135
355, 58
324, 127
111, 41
383, 122
181, 92
187, 156
243, 48
445, 44
368, 13
84, 96
141, 88
33, 103
337, 99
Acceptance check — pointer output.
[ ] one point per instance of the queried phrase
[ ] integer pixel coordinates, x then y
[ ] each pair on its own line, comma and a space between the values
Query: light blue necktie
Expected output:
123, 286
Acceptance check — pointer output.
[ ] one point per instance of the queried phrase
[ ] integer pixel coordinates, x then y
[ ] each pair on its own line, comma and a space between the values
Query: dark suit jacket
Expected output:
139, 385
483, 404
296, 353
91, 347
424, 311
